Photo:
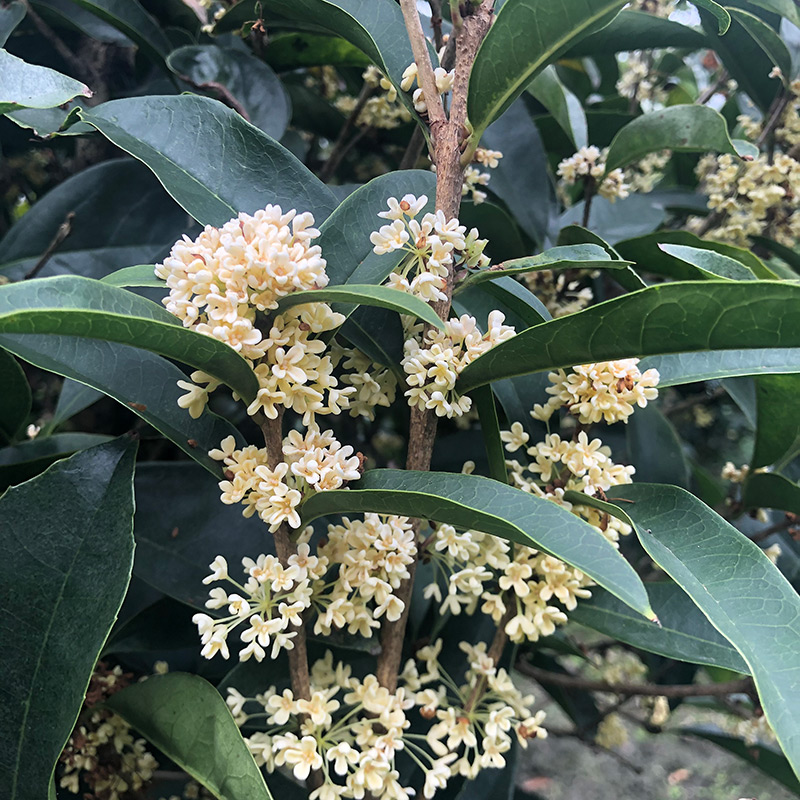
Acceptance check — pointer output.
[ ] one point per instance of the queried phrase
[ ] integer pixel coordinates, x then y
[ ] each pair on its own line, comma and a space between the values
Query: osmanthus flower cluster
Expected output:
588, 164
474, 177
352, 729
384, 109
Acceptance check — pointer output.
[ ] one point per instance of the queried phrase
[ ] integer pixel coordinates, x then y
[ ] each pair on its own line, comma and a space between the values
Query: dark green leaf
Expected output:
622, 219
562, 104
10, 16
141, 275
637, 30
24, 85
766, 39
292, 50
736, 586
73, 398
655, 448
690, 128
368, 295
670, 318
232, 167
15, 399
711, 264
185, 717
490, 431
378, 334
719, 13
691, 367
246, 77
130, 18
66, 539
523, 40
684, 634
164, 625
769, 490
470, 501
778, 424
764, 758
72, 306
787, 254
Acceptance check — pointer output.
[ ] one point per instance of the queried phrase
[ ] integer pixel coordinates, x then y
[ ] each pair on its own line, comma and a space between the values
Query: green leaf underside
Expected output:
736, 586
210, 159
66, 534
685, 634
186, 718
143, 382
24, 85
563, 105
368, 295
10, 16
670, 318
15, 399
72, 399
778, 424
715, 265
691, 367
718, 12
73, 306
470, 501
524, 39
768, 490
680, 128
141, 275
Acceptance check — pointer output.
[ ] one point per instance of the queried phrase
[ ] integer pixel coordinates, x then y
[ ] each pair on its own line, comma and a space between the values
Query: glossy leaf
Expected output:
246, 77
681, 128
344, 236
766, 39
66, 537
683, 634
717, 11
186, 718
490, 431
523, 40
655, 448
736, 586
636, 215
143, 382
15, 399
232, 167
130, 18
470, 501
562, 104
10, 16
714, 265
109, 228
778, 424
73, 398
72, 306
691, 367
24, 85
764, 758
293, 50
368, 295
770, 490
141, 275
579, 256
670, 318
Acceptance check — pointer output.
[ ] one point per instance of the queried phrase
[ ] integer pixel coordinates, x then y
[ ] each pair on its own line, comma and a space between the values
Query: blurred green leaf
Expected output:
655, 448
234, 166
682, 368
769, 490
185, 717
711, 264
777, 421
15, 399
292, 50
719, 13
73, 398
140, 275
766, 39
562, 104
470, 501
66, 538
10, 16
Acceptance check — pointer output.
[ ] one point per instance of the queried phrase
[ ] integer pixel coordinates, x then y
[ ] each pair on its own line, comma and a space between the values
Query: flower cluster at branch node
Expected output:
604, 391
589, 164
474, 177
433, 365
444, 84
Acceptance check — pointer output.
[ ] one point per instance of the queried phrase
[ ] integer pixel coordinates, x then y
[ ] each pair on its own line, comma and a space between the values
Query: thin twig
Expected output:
712, 88
436, 23
741, 686
223, 92
343, 141
64, 230
416, 144
495, 652
787, 522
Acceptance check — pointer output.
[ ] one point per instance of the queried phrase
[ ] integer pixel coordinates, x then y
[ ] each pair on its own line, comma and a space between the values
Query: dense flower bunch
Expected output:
434, 244
433, 365
372, 384
605, 391
561, 292
639, 81
642, 176
352, 729
589, 164
102, 759
350, 583
383, 110
474, 177
444, 84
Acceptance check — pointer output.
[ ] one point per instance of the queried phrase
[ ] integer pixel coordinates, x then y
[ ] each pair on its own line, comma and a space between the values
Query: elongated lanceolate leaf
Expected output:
143, 382
684, 128
469, 501
691, 367
717, 11
714, 265
766, 38
210, 159
67, 541
72, 306
368, 295
685, 634
562, 104
140, 275
24, 85
777, 421
186, 718
577, 256
524, 39
73, 398
670, 318
770, 490
15, 399
10, 16
744, 596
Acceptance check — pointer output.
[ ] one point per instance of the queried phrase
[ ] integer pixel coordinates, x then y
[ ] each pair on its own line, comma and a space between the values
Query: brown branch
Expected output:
416, 144
436, 23
787, 522
741, 686
223, 93
495, 652
344, 142
64, 230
